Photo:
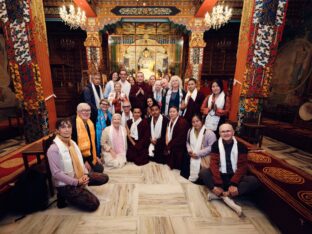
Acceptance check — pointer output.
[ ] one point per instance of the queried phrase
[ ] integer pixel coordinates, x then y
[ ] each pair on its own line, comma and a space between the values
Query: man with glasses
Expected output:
85, 137
126, 113
226, 176
125, 85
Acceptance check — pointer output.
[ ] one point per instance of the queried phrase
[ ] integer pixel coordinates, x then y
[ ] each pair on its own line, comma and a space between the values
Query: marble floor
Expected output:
146, 199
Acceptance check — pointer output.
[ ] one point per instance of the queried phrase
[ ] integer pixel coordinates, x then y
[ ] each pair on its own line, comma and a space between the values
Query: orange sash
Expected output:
83, 138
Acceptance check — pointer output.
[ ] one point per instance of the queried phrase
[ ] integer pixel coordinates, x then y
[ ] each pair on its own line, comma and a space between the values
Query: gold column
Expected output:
94, 52
196, 55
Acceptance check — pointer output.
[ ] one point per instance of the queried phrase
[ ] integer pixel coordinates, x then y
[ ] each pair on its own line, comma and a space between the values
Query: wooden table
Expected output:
254, 132
33, 150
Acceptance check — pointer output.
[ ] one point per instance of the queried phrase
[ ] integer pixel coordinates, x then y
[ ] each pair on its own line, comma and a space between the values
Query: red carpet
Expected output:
287, 193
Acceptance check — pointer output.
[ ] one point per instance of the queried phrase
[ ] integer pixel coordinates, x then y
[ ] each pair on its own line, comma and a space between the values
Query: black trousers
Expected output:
81, 197
247, 184
97, 167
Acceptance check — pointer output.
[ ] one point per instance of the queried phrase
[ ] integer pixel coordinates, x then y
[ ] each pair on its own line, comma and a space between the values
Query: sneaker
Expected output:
233, 205
212, 196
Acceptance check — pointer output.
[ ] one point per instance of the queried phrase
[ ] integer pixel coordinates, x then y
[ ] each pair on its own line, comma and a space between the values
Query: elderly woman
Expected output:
157, 92
216, 106
198, 144
174, 96
113, 79
116, 99
114, 144
104, 119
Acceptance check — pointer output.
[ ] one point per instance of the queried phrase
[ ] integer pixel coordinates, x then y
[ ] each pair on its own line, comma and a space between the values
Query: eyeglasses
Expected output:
227, 131
105, 104
85, 111
126, 106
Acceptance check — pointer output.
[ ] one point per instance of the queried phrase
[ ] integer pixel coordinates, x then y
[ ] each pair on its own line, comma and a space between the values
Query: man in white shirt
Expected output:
125, 85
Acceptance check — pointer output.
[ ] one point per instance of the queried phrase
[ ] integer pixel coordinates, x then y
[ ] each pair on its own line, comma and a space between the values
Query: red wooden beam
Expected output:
84, 5
207, 5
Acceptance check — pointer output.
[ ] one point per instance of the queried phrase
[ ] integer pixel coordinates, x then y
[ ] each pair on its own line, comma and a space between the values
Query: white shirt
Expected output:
125, 87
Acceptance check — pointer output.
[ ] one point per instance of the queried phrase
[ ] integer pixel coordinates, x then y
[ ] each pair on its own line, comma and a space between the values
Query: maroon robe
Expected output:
139, 153
161, 142
177, 145
193, 107
140, 100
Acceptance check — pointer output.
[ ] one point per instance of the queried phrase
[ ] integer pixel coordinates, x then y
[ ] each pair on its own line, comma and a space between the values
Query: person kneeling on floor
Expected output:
69, 172
226, 176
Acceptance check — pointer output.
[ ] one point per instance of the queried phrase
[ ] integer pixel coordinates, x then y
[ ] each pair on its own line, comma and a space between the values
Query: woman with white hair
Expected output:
174, 96
114, 144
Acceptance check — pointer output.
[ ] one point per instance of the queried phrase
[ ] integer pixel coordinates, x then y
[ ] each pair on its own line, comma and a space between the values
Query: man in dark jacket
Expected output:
228, 166
92, 94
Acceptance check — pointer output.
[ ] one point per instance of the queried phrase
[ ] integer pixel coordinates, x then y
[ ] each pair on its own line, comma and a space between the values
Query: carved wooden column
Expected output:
42, 51
94, 52
196, 55
197, 44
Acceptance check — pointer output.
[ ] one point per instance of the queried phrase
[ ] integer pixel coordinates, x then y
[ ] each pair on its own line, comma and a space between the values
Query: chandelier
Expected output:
72, 17
219, 16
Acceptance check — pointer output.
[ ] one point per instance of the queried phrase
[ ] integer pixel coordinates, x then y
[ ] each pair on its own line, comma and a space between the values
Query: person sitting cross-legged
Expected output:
85, 137
114, 143
226, 176
69, 172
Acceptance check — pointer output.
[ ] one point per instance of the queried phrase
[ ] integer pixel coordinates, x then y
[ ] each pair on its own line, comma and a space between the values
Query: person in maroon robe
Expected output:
158, 125
139, 93
193, 101
138, 138
176, 135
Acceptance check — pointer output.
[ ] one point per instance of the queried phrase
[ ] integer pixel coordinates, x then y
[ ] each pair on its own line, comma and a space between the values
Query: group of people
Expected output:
148, 121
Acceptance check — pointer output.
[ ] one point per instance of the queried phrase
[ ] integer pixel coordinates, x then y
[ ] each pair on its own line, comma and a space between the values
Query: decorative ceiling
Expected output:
103, 8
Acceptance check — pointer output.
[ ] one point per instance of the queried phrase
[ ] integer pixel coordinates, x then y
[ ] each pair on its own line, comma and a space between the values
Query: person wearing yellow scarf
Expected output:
84, 136
84, 142
69, 173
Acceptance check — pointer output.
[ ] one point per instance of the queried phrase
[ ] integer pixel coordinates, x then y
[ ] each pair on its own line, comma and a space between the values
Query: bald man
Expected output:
140, 92
228, 167
126, 113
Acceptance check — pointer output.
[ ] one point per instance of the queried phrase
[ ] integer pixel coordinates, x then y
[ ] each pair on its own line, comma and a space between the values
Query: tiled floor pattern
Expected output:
147, 199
